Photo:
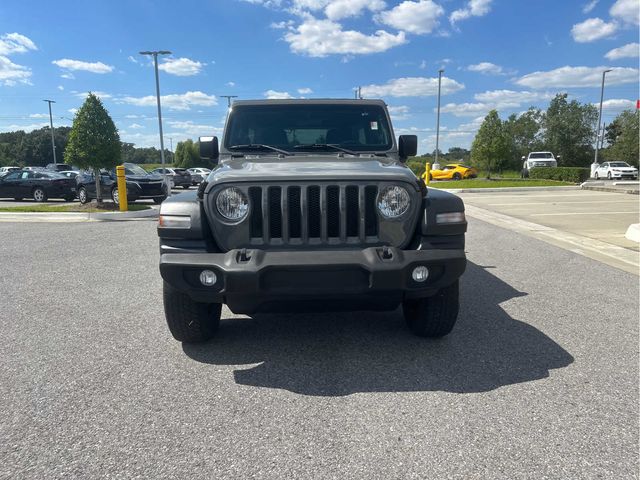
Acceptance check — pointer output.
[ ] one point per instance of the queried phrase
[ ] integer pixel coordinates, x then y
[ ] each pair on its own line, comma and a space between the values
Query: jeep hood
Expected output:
310, 168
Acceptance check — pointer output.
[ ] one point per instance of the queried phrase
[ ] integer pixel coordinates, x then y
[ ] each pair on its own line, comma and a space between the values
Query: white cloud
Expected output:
12, 73
11, 43
97, 93
73, 111
510, 98
136, 126
626, 11
475, 8
589, 6
319, 38
273, 94
194, 129
487, 68
68, 76
399, 112
570, 77
181, 67
617, 104
411, 87
338, 9
415, 17
282, 25
174, 101
26, 128
132, 59
494, 99
630, 50
593, 29
60, 87
79, 65
39, 115
230, 84
305, 91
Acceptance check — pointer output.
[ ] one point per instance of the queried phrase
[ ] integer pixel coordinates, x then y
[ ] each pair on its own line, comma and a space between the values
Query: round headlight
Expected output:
393, 202
232, 204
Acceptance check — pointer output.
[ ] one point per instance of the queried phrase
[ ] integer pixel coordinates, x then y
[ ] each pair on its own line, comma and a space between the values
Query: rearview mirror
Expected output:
209, 148
407, 146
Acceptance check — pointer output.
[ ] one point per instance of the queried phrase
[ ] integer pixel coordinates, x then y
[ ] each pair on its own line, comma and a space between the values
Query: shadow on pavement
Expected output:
344, 353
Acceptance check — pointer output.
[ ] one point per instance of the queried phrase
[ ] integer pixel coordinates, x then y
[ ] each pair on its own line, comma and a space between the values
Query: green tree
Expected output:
94, 142
569, 131
624, 146
523, 134
490, 147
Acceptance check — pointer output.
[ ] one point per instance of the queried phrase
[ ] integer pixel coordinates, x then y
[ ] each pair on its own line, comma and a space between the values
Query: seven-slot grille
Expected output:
315, 214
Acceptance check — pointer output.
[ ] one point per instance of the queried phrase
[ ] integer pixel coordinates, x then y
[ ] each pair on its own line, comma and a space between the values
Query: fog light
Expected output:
420, 274
208, 278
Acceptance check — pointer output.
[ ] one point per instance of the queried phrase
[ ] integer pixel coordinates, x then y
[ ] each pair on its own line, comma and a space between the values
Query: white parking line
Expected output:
579, 213
514, 204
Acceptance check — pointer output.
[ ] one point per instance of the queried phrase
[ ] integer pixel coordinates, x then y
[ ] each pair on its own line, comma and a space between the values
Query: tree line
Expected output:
34, 148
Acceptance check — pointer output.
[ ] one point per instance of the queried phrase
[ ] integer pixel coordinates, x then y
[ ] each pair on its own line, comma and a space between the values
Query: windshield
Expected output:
619, 164
309, 127
133, 169
541, 155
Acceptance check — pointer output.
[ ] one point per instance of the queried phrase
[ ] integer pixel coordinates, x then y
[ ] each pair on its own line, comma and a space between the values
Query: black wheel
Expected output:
434, 316
83, 196
525, 173
190, 321
159, 200
39, 195
595, 175
186, 187
457, 176
430, 178
609, 175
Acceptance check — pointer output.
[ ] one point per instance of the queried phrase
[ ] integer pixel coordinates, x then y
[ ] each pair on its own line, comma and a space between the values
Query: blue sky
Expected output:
504, 54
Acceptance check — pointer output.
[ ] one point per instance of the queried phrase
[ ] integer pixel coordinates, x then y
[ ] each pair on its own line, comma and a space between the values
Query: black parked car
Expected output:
38, 185
140, 185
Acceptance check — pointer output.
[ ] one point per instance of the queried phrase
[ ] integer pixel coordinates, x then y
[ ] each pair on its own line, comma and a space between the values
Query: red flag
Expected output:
638, 104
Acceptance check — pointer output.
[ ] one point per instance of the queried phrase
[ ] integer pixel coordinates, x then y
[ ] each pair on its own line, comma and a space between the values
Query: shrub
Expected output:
561, 174
416, 166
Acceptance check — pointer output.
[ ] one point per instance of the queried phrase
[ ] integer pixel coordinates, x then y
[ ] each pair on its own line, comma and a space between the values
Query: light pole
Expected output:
53, 138
173, 156
229, 97
155, 54
595, 160
440, 72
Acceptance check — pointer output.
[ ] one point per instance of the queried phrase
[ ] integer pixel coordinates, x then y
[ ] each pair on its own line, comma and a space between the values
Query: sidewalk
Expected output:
621, 186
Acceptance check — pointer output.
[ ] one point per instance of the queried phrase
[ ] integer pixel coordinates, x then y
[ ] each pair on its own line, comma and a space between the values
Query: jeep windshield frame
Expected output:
301, 128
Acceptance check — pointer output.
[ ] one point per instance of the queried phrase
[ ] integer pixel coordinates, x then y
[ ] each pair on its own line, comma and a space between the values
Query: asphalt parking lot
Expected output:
537, 380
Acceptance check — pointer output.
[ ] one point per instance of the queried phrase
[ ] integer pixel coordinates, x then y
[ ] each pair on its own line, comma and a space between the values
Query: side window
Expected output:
26, 175
13, 176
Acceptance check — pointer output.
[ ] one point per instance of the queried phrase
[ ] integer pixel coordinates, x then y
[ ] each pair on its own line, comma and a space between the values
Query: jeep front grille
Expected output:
314, 214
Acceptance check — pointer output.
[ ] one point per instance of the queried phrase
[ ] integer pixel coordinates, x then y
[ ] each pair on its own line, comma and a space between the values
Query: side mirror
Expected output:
209, 148
407, 146
523, 157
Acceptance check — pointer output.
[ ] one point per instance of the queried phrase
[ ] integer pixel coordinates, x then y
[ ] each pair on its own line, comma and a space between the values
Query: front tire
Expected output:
608, 175
596, 176
39, 195
456, 176
115, 196
83, 196
189, 321
434, 316
159, 200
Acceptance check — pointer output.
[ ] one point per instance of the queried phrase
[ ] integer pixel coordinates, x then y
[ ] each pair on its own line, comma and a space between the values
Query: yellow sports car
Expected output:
453, 171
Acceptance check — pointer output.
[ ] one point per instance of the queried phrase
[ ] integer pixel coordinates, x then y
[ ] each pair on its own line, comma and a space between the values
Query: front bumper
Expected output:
260, 280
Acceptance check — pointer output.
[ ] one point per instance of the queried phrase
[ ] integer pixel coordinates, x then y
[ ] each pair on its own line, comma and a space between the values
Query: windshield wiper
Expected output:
326, 145
259, 146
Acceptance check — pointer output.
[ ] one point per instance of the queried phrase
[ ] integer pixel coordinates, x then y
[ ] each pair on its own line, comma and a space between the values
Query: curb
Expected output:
598, 188
510, 189
78, 216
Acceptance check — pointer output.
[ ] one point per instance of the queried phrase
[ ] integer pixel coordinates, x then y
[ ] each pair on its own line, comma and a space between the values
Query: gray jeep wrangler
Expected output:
310, 208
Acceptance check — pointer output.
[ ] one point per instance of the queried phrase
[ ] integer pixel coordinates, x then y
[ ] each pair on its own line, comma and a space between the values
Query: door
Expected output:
8, 184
